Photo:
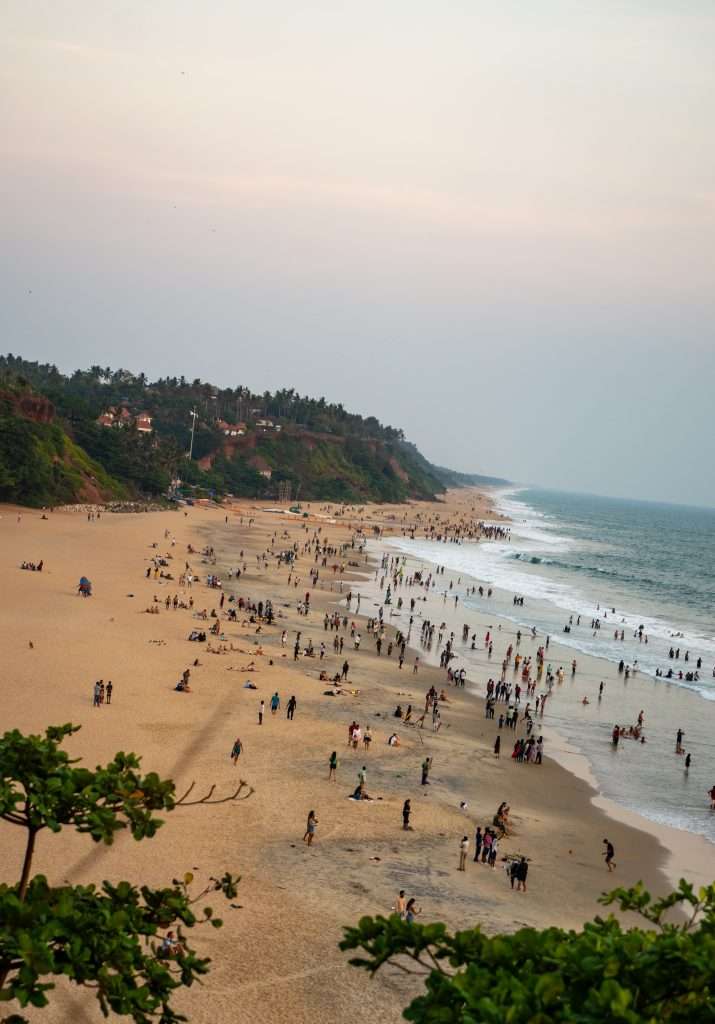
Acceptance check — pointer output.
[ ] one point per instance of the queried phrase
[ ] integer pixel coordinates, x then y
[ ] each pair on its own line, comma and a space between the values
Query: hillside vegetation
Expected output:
41, 465
118, 434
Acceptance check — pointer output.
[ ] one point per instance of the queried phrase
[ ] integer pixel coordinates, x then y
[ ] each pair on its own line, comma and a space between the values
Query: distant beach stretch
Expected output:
419, 740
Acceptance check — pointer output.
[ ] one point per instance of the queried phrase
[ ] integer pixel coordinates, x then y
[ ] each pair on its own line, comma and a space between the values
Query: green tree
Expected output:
664, 971
103, 937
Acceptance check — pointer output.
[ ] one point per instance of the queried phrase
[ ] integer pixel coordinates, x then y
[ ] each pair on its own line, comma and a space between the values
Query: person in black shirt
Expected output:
609, 855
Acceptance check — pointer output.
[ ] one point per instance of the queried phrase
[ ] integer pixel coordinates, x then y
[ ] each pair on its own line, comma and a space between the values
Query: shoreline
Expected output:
694, 860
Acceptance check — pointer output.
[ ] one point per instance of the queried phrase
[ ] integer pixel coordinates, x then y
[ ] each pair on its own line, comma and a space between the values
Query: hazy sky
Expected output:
492, 224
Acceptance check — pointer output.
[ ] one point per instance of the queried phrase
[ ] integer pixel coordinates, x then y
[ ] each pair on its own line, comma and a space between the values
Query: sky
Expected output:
492, 225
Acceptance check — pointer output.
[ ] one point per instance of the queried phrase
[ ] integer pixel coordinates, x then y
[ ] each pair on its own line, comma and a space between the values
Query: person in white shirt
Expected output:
463, 851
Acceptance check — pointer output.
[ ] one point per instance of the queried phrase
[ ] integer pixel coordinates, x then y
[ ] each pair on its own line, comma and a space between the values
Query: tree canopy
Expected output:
661, 971
318, 447
104, 937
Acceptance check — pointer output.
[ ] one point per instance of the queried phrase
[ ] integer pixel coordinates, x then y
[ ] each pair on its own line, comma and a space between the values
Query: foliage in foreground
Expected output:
664, 971
101, 937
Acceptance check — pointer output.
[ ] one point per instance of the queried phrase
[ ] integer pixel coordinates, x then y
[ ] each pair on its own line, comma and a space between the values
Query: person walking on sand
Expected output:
477, 843
310, 828
261, 709
521, 873
426, 765
497, 746
463, 851
406, 811
609, 855
400, 904
412, 910
290, 708
275, 703
109, 691
236, 750
416, 666
333, 766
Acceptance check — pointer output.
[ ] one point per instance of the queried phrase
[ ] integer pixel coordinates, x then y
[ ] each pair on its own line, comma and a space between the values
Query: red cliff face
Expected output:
32, 407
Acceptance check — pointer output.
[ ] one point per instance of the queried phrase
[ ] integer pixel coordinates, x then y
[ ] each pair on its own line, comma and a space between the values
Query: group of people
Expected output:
101, 693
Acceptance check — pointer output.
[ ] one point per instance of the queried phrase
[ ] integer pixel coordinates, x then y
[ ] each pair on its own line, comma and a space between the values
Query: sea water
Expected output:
629, 564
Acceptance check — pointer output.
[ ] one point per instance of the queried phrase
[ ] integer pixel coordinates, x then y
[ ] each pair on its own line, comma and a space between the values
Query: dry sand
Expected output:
276, 959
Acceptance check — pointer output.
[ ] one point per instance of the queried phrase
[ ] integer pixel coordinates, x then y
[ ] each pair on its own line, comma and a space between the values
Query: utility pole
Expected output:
193, 415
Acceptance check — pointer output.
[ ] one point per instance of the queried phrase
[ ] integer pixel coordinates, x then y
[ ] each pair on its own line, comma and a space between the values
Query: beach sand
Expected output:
276, 959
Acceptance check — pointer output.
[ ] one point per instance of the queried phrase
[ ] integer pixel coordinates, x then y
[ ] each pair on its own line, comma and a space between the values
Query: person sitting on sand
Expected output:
398, 711
394, 740
501, 819
360, 793
182, 687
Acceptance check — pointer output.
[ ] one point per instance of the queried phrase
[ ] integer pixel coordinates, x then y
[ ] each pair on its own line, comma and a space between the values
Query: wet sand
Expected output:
276, 959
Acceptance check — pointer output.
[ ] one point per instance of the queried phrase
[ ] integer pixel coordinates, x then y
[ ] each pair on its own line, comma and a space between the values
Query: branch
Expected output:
27, 863
186, 793
401, 967
437, 964
15, 819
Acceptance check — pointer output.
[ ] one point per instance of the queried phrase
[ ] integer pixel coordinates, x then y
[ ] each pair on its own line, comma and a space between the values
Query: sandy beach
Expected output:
276, 959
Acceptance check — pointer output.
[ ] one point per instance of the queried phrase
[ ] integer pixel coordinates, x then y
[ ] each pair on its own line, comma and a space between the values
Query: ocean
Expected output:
643, 569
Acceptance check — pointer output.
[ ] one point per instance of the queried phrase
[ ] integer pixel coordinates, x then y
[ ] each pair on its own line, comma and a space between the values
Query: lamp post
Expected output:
193, 415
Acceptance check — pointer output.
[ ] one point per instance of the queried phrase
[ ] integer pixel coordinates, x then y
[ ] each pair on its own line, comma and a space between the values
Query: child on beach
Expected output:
310, 828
